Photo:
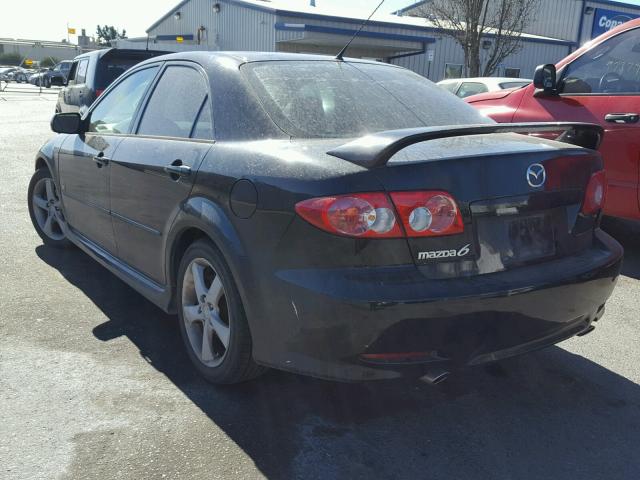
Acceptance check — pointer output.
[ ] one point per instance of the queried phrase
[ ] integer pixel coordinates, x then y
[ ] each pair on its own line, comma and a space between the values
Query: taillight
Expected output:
358, 215
595, 194
372, 215
428, 214
99, 92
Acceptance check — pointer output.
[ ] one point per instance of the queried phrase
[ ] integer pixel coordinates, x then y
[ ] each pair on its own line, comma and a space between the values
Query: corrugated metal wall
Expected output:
553, 18
233, 28
240, 28
39, 51
446, 50
561, 18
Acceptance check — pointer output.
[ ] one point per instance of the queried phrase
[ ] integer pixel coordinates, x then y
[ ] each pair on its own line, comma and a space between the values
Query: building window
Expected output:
452, 70
512, 72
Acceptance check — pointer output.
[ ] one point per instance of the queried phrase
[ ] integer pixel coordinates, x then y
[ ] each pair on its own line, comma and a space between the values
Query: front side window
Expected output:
175, 103
471, 88
115, 111
312, 99
612, 67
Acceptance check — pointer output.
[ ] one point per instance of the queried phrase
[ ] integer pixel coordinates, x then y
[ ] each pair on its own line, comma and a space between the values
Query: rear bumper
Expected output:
320, 322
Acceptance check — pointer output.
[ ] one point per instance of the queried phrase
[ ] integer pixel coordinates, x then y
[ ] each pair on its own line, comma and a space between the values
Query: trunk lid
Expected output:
511, 216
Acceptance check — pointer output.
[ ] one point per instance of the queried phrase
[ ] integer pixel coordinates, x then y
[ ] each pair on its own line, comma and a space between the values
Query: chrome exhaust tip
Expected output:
433, 377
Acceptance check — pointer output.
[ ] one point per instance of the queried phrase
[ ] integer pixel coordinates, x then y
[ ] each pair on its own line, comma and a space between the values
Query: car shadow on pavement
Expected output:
626, 232
551, 414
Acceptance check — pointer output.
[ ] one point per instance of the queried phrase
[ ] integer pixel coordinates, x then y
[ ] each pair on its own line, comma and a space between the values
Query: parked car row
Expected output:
14, 74
55, 76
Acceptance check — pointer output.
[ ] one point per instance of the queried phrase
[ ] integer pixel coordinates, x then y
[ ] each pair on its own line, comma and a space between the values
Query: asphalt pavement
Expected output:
94, 384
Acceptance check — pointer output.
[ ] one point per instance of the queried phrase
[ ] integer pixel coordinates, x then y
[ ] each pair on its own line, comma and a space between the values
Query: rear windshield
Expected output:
111, 66
339, 99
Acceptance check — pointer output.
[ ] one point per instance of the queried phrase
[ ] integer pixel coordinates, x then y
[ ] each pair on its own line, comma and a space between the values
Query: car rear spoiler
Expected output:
375, 150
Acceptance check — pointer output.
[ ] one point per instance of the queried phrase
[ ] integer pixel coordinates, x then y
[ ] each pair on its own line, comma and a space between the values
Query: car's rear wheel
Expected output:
212, 319
45, 209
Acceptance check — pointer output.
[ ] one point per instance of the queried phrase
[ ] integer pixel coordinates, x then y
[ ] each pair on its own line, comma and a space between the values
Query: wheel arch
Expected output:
42, 163
201, 218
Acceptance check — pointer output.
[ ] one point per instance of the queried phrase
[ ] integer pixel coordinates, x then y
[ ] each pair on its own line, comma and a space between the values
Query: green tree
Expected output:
107, 33
10, 59
49, 62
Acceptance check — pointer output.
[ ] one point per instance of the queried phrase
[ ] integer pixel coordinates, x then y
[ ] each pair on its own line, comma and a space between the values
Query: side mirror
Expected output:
545, 79
66, 123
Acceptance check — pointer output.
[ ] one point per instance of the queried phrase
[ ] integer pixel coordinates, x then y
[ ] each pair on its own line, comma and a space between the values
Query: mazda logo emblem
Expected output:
536, 175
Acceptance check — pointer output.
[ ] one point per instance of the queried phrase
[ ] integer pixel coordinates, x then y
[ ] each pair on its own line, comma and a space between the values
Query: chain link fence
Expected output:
39, 87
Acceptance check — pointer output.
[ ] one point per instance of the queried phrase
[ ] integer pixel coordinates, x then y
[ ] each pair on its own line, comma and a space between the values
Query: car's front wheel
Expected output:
45, 209
212, 319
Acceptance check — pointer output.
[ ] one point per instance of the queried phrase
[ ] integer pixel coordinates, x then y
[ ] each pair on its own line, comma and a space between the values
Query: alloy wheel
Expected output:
47, 209
205, 312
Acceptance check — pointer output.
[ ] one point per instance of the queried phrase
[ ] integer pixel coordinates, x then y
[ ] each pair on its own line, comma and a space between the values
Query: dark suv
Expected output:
91, 73
56, 75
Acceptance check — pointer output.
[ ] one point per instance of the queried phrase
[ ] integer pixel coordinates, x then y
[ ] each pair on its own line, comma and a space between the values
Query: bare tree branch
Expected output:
471, 22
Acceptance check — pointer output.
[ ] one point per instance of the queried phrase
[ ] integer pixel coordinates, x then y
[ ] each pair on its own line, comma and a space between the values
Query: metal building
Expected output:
402, 39
39, 50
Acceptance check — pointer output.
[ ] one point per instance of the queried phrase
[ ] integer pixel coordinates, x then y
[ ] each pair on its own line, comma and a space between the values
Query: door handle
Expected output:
100, 160
622, 117
178, 170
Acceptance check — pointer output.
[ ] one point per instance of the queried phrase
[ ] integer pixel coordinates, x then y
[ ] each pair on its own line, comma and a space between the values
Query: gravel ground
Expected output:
94, 384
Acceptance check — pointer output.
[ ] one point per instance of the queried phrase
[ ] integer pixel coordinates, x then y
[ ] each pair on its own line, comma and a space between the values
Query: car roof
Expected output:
241, 57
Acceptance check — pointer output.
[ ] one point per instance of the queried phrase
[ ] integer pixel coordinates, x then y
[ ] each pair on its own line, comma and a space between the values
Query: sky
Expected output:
47, 19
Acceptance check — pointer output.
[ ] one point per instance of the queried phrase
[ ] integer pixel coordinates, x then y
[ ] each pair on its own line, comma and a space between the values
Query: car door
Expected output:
84, 160
602, 86
153, 171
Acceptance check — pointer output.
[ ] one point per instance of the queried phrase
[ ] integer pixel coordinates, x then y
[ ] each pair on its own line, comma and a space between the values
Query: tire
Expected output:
209, 304
45, 210
47, 83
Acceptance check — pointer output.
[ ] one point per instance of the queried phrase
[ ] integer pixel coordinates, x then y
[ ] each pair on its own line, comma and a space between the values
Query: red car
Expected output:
599, 83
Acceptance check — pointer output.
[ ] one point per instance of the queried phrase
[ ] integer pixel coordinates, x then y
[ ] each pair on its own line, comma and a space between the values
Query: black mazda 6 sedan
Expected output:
344, 219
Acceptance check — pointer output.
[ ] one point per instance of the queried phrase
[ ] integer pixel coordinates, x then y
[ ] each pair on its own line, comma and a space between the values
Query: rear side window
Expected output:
471, 88
505, 85
204, 126
175, 103
112, 65
81, 71
450, 86
72, 72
